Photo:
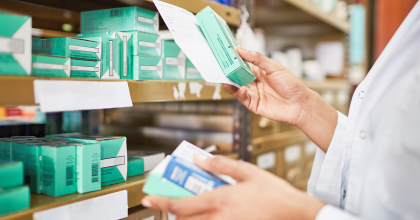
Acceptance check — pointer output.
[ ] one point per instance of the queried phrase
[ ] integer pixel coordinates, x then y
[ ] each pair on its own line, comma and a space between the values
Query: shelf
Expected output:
328, 84
39, 202
16, 90
297, 17
315, 11
229, 14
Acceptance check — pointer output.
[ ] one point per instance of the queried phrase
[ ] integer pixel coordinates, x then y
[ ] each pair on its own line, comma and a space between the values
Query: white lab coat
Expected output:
372, 167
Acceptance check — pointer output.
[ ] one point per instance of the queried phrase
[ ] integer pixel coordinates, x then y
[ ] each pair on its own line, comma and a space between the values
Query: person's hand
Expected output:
279, 95
258, 194
276, 93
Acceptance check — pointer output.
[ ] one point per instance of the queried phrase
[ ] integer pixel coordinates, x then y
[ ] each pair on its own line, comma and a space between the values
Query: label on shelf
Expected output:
67, 95
111, 206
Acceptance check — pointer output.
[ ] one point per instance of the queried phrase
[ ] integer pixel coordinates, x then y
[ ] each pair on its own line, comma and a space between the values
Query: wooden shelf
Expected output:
229, 14
315, 11
15, 90
328, 84
39, 202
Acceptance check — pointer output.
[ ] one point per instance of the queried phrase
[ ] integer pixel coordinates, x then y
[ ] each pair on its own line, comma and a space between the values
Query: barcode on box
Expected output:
116, 13
95, 172
196, 186
69, 175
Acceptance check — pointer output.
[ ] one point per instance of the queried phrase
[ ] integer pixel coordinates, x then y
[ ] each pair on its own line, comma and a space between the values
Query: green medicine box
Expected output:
223, 45
120, 19
113, 155
135, 166
58, 169
50, 66
68, 47
11, 173
110, 57
173, 61
148, 68
88, 168
14, 199
15, 44
144, 44
191, 73
85, 69
30, 154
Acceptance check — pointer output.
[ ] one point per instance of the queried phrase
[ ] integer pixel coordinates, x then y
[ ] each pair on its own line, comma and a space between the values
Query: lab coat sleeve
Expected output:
329, 212
325, 180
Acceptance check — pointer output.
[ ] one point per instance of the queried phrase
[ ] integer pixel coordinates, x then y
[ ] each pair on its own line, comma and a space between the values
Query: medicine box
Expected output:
50, 66
144, 44
120, 19
69, 47
30, 154
11, 173
85, 69
15, 44
143, 161
173, 61
223, 45
88, 168
135, 166
5, 149
113, 155
58, 169
149, 68
191, 73
14, 199
110, 58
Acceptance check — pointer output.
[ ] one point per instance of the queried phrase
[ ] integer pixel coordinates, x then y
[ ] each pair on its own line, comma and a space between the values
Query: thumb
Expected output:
263, 62
238, 170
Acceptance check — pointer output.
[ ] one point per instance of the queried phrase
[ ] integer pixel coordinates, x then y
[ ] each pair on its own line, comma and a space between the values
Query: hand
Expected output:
279, 95
258, 194
276, 93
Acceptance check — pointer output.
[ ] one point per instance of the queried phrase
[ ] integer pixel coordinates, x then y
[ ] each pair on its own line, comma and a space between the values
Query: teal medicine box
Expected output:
85, 69
11, 173
69, 47
14, 199
58, 169
110, 58
5, 149
223, 45
113, 155
88, 167
149, 68
191, 73
135, 166
173, 60
144, 44
120, 19
50, 66
30, 154
15, 44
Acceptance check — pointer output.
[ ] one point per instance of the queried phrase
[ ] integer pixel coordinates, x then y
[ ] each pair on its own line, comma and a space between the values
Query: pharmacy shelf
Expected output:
229, 14
39, 202
16, 90
328, 84
275, 141
312, 9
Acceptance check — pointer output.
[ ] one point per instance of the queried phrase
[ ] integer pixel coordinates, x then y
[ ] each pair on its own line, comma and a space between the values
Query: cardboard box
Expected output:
191, 73
113, 155
173, 61
11, 173
140, 162
150, 68
144, 44
85, 69
135, 166
88, 167
223, 45
58, 169
14, 199
15, 44
50, 66
110, 58
30, 155
69, 47
120, 19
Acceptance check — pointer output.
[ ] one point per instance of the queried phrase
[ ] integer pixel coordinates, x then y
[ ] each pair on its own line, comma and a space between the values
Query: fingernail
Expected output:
241, 48
200, 157
146, 203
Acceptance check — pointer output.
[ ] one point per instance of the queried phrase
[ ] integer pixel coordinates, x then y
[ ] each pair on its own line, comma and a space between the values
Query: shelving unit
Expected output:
39, 202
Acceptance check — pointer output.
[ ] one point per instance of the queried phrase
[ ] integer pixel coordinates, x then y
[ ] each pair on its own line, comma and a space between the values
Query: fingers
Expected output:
238, 170
259, 60
230, 88
185, 206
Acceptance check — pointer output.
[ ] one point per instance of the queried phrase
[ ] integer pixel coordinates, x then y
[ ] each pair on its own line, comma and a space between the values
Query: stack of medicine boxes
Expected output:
137, 30
13, 195
55, 166
68, 57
